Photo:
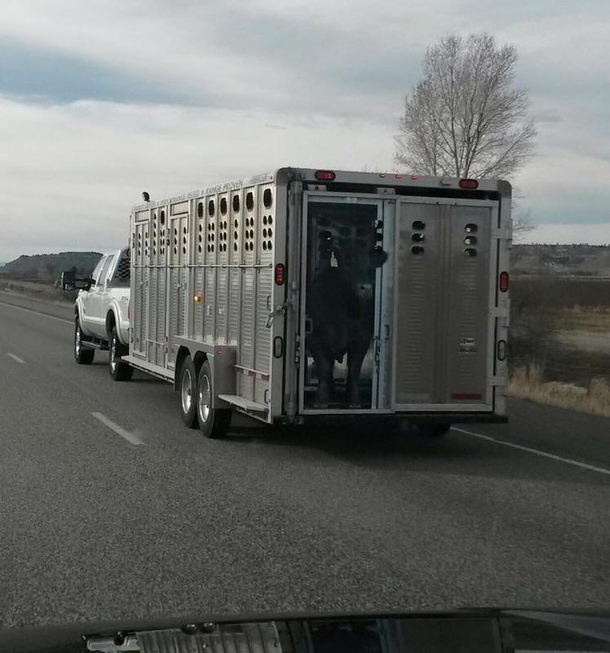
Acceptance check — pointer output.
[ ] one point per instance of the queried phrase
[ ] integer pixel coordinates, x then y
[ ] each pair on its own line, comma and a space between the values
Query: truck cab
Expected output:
102, 309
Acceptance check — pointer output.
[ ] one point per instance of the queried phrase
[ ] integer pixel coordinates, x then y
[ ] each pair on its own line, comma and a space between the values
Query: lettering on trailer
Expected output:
468, 345
221, 188
218, 188
178, 198
259, 179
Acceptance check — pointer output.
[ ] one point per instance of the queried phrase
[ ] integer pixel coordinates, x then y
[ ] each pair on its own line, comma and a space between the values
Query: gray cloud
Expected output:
48, 76
105, 98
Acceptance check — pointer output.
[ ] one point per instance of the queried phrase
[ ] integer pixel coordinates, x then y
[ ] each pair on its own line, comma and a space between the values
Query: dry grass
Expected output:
559, 292
39, 291
528, 382
595, 319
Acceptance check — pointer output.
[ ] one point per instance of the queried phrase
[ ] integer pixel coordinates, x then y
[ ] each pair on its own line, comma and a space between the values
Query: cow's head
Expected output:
355, 255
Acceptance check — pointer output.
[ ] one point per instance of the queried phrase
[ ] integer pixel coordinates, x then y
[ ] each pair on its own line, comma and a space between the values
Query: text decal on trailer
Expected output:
468, 345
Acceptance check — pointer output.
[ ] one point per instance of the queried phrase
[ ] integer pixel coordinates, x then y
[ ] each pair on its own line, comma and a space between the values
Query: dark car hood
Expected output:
469, 629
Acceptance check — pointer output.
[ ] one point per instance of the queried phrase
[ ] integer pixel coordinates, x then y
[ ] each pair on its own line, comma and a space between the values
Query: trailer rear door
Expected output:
397, 313
342, 258
444, 290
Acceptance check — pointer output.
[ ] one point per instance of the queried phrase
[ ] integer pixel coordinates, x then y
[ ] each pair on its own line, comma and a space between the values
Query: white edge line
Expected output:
537, 452
119, 430
31, 310
16, 358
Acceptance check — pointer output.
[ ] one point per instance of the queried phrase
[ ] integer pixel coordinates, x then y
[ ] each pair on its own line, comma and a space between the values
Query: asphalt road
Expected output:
95, 526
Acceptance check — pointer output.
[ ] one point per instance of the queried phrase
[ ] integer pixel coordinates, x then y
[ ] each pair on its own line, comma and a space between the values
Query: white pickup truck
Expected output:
101, 314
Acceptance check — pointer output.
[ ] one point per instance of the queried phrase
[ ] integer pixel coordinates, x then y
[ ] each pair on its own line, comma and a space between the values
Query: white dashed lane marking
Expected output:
536, 452
30, 310
119, 430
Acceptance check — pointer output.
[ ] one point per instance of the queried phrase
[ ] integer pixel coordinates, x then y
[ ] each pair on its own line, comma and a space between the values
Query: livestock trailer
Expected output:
307, 295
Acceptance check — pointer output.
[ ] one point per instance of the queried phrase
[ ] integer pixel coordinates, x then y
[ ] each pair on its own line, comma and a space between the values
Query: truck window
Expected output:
95, 275
122, 273
105, 269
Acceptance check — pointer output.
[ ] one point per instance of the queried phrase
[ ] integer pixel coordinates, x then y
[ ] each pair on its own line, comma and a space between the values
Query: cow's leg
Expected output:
355, 358
324, 367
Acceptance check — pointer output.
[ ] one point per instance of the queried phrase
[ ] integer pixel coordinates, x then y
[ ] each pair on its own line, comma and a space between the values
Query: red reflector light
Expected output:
469, 183
325, 175
280, 274
503, 281
129, 311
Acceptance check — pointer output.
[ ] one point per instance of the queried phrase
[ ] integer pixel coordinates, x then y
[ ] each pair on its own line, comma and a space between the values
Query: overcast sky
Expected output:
100, 100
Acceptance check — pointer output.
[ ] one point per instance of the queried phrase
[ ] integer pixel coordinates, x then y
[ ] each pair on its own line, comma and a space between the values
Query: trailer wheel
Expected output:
213, 423
435, 430
119, 370
82, 355
188, 392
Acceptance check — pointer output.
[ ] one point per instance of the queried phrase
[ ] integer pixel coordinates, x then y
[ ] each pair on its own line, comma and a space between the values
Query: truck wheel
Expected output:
82, 355
188, 392
119, 370
435, 430
214, 423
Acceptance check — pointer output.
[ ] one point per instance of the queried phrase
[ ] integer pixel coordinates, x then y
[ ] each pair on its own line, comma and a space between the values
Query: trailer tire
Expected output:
188, 392
119, 370
82, 355
214, 423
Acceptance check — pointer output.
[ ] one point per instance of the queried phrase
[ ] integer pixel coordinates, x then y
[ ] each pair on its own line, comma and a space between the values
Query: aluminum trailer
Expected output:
308, 295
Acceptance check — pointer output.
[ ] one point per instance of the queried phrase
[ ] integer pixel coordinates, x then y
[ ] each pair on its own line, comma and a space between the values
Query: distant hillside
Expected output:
563, 260
48, 267
573, 260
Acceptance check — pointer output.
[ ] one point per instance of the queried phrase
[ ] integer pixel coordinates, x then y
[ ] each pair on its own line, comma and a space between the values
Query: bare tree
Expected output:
522, 223
465, 118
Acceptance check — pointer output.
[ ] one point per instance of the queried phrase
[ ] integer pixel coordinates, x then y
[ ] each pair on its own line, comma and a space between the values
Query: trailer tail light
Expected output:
503, 281
129, 311
280, 274
471, 184
325, 175
501, 350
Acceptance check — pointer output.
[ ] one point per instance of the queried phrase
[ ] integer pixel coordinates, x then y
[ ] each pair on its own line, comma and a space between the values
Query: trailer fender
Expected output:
221, 359
222, 365
183, 352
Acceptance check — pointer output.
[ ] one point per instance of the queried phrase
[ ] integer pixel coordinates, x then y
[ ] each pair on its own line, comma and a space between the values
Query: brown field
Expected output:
594, 319
35, 290
529, 382
560, 292
560, 342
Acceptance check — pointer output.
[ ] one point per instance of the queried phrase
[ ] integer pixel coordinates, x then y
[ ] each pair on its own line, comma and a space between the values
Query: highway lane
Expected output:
96, 527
